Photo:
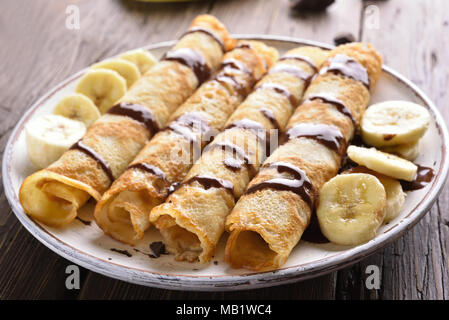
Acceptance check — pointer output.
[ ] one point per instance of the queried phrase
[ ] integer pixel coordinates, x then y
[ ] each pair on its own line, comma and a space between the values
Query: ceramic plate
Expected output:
86, 245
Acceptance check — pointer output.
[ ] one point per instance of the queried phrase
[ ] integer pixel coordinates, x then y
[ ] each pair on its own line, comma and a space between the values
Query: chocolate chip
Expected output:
158, 248
310, 5
343, 38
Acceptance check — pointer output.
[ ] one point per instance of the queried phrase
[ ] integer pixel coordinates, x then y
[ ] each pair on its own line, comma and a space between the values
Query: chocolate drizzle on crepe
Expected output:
211, 182
293, 70
138, 113
156, 171
226, 76
80, 146
192, 59
327, 135
300, 184
190, 125
262, 134
239, 157
348, 67
209, 33
302, 58
270, 116
340, 105
281, 90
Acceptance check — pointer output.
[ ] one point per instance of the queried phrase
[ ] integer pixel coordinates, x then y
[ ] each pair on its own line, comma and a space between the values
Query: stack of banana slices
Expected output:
98, 90
353, 205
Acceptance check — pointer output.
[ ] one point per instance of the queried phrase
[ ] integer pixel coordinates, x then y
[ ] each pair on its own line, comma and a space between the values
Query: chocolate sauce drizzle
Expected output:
300, 185
173, 187
191, 59
212, 182
225, 76
80, 146
281, 90
248, 124
149, 168
270, 116
313, 231
302, 58
233, 163
235, 64
340, 105
327, 135
243, 46
124, 252
293, 70
189, 125
423, 178
348, 67
138, 113
262, 134
209, 33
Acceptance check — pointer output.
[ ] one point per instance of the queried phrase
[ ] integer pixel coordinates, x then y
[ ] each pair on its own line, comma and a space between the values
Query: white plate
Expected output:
90, 248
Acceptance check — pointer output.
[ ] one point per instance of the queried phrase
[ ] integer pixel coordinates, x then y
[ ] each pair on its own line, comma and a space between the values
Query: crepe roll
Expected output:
192, 219
54, 195
123, 211
270, 218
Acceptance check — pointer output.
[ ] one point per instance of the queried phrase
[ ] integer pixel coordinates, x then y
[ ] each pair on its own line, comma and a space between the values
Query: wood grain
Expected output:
38, 52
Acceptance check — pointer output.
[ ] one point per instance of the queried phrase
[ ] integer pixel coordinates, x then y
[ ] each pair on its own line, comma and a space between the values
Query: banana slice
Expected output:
394, 122
393, 189
78, 107
49, 136
141, 58
351, 208
409, 151
385, 163
104, 87
126, 69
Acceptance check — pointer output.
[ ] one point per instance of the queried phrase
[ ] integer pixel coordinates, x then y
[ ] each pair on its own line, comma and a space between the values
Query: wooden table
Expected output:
37, 51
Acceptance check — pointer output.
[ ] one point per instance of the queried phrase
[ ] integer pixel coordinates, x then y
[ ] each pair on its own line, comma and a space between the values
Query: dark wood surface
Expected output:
38, 52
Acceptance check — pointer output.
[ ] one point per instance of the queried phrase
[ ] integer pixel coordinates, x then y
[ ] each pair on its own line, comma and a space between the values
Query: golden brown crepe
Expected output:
123, 211
54, 195
192, 218
270, 218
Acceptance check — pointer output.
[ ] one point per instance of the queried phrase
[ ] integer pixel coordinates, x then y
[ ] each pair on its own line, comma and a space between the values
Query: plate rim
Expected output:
250, 280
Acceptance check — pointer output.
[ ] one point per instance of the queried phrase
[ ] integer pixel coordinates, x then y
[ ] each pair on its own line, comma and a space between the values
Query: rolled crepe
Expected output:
123, 211
54, 195
270, 218
192, 219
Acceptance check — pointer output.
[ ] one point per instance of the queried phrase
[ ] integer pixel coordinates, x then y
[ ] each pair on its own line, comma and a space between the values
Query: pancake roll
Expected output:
192, 218
123, 211
270, 218
54, 195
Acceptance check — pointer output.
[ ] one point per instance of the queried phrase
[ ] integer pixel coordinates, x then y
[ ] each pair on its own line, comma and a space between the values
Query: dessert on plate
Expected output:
221, 135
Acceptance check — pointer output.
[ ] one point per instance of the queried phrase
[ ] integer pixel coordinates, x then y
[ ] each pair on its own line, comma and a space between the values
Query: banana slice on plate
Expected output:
143, 59
394, 122
351, 208
385, 163
77, 106
104, 87
409, 151
49, 136
395, 194
126, 69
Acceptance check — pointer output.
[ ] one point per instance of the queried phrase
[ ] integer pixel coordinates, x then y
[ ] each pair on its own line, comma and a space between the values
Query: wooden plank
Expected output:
410, 38
102, 287
276, 18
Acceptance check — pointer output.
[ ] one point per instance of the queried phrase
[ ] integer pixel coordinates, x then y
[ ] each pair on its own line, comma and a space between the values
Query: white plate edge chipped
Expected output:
89, 247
